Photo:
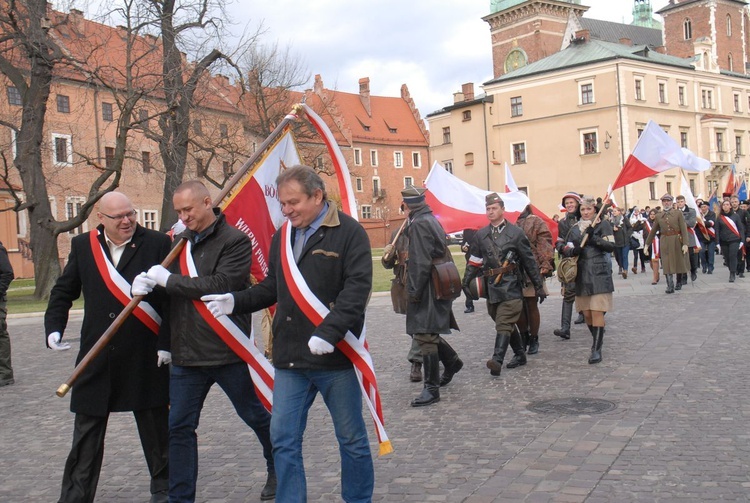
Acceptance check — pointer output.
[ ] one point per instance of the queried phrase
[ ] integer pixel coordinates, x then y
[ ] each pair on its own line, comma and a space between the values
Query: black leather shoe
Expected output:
495, 367
562, 333
159, 497
469, 309
516, 361
269, 490
693, 276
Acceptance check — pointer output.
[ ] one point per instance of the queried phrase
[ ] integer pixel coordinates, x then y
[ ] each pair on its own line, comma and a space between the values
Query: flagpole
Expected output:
172, 256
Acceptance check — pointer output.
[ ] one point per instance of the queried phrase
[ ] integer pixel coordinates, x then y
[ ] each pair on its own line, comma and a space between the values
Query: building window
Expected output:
358, 157
366, 211
224, 131
376, 187
200, 169
719, 141
358, 184
669, 187
692, 185
318, 163
149, 219
416, 159
589, 143
730, 62
63, 104
469, 158
639, 131
737, 102
146, 161
107, 112
143, 117
516, 106
446, 135
684, 139
373, 158
681, 95
398, 159
63, 154
73, 206
639, 89
587, 94
662, 92
466, 115
729, 25
197, 127
652, 190
448, 165
519, 153
738, 145
14, 96
408, 181
707, 98
687, 29
109, 156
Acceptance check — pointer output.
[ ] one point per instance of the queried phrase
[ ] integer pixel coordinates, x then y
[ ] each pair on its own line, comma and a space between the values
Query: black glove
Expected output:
590, 231
540, 294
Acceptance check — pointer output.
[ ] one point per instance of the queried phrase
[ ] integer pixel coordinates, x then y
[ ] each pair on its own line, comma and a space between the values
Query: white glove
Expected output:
163, 358
159, 274
318, 346
142, 285
219, 305
178, 227
53, 341
684, 249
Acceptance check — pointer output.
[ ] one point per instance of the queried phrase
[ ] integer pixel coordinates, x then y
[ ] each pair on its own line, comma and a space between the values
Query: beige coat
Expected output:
672, 234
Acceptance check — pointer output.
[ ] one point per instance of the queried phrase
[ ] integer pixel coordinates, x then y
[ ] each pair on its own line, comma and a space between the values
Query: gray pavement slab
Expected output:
675, 367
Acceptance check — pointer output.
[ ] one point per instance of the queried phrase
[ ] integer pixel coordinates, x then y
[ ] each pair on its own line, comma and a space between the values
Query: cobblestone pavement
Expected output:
675, 368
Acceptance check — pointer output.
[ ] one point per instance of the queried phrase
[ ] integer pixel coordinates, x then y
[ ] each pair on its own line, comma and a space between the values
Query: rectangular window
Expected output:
408, 181
358, 157
738, 145
519, 153
589, 143
14, 96
639, 89
516, 106
692, 185
398, 159
416, 159
197, 127
669, 187
376, 187
587, 94
63, 154
448, 165
737, 102
109, 156
707, 98
224, 130
662, 92
149, 219
466, 115
446, 135
366, 211
720, 141
358, 184
652, 190
146, 161
373, 158
73, 206
63, 104
107, 112
681, 95
684, 139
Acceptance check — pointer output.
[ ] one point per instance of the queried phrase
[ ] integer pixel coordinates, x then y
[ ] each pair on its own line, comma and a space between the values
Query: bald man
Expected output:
129, 375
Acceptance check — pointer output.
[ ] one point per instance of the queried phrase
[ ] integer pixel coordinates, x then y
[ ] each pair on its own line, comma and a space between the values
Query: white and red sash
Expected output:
695, 238
260, 368
119, 286
733, 227
655, 251
356, 349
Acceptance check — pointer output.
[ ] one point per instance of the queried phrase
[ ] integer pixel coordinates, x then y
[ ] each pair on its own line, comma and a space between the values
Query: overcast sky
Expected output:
431, 46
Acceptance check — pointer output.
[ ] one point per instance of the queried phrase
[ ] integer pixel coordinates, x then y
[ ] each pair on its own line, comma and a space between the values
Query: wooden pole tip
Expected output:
62, 390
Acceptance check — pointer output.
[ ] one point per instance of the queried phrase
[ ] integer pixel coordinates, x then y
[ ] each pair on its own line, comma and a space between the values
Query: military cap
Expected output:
413, 195
703, 203
493, 198
667, 197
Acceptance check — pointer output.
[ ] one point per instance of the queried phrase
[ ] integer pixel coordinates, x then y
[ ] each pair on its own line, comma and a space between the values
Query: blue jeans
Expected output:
293, 394
188, 387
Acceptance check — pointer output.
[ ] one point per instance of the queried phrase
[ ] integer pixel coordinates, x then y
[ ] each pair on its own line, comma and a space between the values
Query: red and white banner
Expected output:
459, 205
656, 152
510, 183
690, 203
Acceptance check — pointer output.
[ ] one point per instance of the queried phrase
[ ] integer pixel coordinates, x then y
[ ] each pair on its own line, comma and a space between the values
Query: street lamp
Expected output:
607, 137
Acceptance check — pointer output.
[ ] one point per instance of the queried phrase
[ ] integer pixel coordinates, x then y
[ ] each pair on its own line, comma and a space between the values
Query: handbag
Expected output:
399, 297
567, 269
446, 281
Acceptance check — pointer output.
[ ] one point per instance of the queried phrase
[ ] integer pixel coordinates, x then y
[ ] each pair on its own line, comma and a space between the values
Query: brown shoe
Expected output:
635, 270
624, 274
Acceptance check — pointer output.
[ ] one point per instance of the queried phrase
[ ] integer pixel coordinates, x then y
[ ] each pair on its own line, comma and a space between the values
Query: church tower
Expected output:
524, 31
643, 15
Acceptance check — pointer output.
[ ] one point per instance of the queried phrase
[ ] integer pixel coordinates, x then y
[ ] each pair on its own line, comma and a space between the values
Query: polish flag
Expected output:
611, 197
690, 203
654, 153
459, 205
510, 183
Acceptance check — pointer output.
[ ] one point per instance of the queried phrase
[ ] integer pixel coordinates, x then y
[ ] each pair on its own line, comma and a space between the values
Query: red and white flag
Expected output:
510, 183
690, 202
654, 153
611, 197
459, 205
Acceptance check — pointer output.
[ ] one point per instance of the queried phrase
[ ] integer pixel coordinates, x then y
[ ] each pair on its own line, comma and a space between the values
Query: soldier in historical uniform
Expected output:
501, 253
571, 201
673, 241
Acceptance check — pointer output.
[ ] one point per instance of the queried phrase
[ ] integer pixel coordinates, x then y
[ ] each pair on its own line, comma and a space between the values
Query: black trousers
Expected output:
84, 463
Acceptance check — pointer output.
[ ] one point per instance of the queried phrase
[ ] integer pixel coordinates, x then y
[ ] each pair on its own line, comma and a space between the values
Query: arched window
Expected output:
729, 25
687, 29
730, 63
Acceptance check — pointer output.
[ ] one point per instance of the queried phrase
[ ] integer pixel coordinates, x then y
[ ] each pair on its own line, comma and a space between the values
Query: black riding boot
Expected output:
596, 349
533, 345
501, 347
450, 360
519, 355
565, 317
678, 281
670, 283
431, 391
525, 340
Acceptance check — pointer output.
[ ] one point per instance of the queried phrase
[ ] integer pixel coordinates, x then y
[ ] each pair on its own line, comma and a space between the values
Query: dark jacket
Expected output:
222, 259
563, 228
709, 222
124, 376
487, 253
6, 272
424, 314
594, 260
466, 239
623, 232
724, 234
336, 263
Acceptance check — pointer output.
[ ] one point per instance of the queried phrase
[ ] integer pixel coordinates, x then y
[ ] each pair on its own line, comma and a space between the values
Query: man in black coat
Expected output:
707, 238
131, 373
501, 253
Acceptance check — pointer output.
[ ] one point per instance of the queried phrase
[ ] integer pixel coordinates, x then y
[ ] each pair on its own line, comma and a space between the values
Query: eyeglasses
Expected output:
129, 215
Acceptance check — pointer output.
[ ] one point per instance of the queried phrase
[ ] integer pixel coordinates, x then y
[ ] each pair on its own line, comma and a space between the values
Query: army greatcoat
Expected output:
673, 234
